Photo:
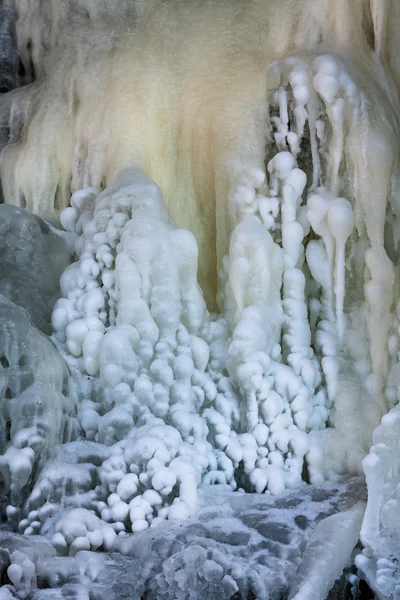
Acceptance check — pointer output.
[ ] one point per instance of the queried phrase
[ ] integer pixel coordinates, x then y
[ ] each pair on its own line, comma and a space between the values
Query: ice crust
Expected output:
37, 398
180, 149
238, 543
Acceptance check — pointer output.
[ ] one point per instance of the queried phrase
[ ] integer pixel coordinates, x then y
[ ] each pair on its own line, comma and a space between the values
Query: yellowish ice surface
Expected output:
179, 90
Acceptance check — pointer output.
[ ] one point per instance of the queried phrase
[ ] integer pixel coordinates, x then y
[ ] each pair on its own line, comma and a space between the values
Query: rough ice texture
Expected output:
9, 59
254, 142
239, 545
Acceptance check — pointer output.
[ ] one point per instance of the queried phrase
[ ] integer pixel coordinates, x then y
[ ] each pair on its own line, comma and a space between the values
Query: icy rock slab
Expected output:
34, 409
32, 259
239, 545
328, 553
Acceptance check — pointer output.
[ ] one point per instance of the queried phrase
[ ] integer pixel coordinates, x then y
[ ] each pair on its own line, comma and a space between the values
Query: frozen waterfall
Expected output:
199, 298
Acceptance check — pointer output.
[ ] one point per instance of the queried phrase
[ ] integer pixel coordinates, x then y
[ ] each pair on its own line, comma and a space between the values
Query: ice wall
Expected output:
247, 151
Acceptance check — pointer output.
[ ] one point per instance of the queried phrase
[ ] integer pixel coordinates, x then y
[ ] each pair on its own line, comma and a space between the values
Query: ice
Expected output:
36, 412
327, 554
340, 222
226, 175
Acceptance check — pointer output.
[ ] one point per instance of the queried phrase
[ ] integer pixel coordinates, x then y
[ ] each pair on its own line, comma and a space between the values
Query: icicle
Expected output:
341, 223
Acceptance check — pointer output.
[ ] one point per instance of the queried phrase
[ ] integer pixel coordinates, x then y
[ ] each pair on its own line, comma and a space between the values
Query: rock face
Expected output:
9, 59
9, 68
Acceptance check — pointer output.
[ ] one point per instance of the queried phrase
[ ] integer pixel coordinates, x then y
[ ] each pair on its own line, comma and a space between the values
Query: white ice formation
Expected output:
380, 532
251, 143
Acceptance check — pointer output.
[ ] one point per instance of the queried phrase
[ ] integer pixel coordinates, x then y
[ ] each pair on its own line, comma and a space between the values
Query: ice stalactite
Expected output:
330, 104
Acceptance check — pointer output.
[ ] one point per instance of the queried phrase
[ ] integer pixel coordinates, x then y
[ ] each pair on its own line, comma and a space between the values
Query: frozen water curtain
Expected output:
199, 280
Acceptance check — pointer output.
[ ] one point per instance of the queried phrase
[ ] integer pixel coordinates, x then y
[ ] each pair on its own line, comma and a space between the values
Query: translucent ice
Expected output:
35, 413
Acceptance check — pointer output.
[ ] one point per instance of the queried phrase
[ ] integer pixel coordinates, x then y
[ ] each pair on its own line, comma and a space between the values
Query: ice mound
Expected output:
134, 319
32, 259
30, 569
